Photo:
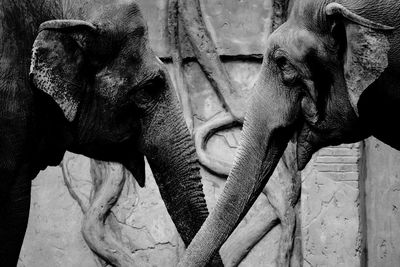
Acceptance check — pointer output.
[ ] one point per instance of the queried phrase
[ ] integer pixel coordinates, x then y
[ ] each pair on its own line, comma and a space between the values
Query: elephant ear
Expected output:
58, 67
366, 55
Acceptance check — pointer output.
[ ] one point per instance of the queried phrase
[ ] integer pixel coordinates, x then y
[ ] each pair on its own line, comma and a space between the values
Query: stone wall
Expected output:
54, 239
332, 227
332, 208
382, 201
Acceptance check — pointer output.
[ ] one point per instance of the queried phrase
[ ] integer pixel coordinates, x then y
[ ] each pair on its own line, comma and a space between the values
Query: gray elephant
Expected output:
330, 75
95, 88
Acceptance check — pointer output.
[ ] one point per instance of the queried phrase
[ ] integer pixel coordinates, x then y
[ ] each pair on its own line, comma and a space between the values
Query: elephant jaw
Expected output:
308, 143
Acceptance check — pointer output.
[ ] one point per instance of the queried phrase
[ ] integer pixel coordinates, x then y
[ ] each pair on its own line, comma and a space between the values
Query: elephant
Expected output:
329, 76
91, 85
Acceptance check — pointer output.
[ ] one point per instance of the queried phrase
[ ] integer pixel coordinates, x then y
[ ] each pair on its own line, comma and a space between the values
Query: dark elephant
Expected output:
330, 75
96, 88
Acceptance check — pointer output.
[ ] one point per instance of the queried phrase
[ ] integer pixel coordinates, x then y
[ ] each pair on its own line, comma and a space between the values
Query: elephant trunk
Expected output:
171, 154
266, 133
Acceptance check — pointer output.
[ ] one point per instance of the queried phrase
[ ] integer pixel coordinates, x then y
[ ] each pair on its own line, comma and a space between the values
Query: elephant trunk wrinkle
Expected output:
255, 162
172, 158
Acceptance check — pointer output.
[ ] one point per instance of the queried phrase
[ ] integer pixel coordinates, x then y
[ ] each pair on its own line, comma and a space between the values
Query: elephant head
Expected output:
316, 66
117, 103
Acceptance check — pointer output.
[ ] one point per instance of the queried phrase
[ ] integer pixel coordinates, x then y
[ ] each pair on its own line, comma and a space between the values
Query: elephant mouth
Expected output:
307, 145
310, 138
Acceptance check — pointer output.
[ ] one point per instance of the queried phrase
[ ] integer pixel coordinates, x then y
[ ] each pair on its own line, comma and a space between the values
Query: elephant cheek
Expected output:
306, 146
307, 141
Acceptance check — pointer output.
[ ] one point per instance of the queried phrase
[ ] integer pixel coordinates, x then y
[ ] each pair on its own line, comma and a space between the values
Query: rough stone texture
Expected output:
54, 239
238, 27
155, 14
382, 186
331, 224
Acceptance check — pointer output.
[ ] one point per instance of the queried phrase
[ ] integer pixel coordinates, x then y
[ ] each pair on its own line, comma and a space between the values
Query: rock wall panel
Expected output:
382, 187
332, 230
53, 237
237, 27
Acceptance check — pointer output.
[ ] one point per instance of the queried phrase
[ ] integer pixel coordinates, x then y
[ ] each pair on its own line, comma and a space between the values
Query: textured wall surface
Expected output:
54, 239
332, 230
330, 202
382, 203
237, 27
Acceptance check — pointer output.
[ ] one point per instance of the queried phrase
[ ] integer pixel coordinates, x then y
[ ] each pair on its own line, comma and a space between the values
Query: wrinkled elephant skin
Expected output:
96, 88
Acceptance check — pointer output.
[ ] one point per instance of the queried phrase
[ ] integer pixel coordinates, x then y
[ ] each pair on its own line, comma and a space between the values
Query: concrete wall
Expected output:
53, 237
382, 201
331, 222
332, 225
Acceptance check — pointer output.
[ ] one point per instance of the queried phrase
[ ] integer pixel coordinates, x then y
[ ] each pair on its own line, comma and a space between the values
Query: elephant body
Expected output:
330, 75
93, 87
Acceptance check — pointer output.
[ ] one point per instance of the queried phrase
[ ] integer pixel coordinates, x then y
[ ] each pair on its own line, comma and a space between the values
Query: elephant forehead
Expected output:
118, 16
110, 84
300, 42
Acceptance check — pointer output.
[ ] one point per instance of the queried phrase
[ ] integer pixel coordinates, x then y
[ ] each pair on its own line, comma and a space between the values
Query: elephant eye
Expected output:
281, 62
148, 93
289, 73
